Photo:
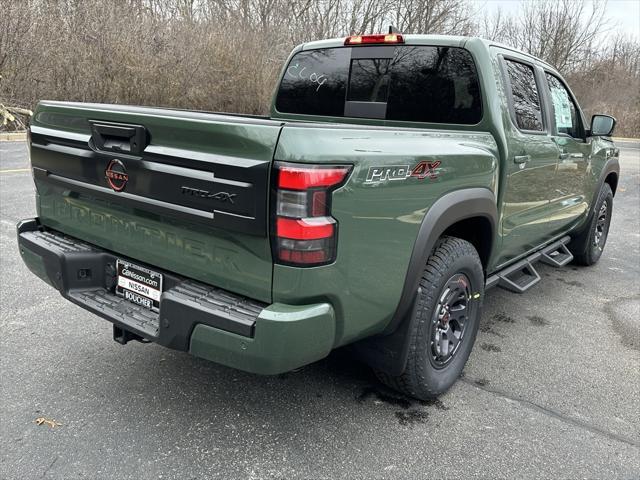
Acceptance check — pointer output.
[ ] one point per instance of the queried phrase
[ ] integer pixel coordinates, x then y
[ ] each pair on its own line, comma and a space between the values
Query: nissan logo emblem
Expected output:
116, 175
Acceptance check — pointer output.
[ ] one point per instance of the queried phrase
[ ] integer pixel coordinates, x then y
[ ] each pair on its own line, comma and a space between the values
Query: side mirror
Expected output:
602, 125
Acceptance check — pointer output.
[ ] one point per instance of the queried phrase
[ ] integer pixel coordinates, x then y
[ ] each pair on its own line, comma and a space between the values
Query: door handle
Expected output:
564, 156
522, 158
110, 137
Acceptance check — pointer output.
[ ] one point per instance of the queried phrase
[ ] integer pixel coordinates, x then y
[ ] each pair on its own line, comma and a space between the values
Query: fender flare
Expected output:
388, 350
611, 166
446, 211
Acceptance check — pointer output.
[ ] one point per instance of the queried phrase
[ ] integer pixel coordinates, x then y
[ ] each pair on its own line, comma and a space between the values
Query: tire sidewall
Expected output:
593, 252
440, 379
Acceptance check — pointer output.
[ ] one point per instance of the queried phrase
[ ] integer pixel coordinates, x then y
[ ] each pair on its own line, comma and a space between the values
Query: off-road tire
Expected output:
585, 249
421, 379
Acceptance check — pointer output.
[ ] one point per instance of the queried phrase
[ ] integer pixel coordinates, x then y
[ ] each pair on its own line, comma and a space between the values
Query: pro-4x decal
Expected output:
401, 172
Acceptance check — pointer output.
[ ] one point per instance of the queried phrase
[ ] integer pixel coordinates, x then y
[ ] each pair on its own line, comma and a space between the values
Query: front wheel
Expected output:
588, 246
446, 323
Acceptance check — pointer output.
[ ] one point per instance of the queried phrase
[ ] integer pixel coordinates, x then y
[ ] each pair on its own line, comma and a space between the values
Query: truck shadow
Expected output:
338, 390
341, 386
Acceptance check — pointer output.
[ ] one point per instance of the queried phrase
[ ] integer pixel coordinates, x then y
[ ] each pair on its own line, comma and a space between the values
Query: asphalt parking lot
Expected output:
552, 388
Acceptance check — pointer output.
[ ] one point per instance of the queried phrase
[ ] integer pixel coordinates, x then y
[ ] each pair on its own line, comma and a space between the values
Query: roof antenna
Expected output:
392, 29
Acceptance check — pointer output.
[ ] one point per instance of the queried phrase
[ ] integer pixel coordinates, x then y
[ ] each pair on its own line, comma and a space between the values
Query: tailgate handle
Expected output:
109, 137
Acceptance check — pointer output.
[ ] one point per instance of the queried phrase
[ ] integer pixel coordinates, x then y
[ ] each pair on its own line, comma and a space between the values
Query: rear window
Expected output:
410, 83
369, 80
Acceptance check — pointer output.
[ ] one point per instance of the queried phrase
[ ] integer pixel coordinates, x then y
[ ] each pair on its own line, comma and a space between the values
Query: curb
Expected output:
13, 136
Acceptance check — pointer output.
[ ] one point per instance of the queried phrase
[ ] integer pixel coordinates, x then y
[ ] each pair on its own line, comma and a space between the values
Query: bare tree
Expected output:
434, 16
562, 32
225, 55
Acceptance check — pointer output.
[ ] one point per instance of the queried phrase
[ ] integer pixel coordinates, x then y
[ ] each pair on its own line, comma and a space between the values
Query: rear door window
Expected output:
524, 94
412, 83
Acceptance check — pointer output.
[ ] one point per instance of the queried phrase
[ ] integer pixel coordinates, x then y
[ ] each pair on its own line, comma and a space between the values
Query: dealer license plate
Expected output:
139, 285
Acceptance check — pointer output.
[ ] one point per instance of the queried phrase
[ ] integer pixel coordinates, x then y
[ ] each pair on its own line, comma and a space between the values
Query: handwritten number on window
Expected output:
295, 71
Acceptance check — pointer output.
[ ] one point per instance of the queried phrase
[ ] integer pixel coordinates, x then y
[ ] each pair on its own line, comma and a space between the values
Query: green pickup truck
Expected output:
397, 178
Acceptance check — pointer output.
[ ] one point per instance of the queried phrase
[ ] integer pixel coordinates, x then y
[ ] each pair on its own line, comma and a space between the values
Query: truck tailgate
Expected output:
183, 191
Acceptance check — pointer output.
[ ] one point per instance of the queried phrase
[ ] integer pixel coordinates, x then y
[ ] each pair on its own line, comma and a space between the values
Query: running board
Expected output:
522, 275
519, 278
558, 257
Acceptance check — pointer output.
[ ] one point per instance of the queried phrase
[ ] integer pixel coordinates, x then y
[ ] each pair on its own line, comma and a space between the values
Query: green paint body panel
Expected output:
377, 223
316, 309
232, 260
242, 265
286, 337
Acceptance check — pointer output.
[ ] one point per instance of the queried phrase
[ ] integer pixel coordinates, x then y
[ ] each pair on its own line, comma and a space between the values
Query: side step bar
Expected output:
558, 257
521, 276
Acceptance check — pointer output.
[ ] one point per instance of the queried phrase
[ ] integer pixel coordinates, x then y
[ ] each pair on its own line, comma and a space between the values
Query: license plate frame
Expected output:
139, 285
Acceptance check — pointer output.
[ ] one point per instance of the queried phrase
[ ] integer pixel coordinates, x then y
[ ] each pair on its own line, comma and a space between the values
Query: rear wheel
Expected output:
588, 246
446, 321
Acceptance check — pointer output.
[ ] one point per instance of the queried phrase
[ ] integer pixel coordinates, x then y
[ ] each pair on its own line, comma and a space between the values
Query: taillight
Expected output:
374, 39
305, 233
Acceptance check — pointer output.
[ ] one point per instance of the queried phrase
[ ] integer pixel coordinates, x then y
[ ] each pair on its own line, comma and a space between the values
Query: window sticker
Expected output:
562, 107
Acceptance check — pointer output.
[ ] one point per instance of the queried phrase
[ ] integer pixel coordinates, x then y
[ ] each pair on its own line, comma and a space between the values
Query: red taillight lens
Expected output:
299, 178
305, 233
374, 39
305, 228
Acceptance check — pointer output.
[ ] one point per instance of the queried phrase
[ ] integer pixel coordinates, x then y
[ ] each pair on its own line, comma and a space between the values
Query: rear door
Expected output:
531, 162
181, 191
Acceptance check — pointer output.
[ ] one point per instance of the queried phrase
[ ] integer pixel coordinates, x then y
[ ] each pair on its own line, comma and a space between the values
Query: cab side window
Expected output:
564, 109
524, 92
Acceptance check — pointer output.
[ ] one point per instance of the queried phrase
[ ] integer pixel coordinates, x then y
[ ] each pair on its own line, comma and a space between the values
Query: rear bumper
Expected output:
206, 321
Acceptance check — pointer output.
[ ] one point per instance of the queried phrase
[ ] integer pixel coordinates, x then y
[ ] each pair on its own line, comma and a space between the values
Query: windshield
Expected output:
410, 83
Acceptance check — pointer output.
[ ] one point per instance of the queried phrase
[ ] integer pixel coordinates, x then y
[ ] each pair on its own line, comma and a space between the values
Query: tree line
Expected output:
225, 55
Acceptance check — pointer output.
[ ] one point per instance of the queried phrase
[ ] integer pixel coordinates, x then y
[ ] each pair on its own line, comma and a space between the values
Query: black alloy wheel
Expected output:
442, 330
449, 320
587, 246
602, 226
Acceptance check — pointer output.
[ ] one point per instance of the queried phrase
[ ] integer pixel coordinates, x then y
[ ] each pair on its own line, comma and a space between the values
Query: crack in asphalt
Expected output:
551, 413
49, 467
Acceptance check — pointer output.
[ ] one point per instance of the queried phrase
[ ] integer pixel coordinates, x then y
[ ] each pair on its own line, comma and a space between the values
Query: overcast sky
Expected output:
626, 13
